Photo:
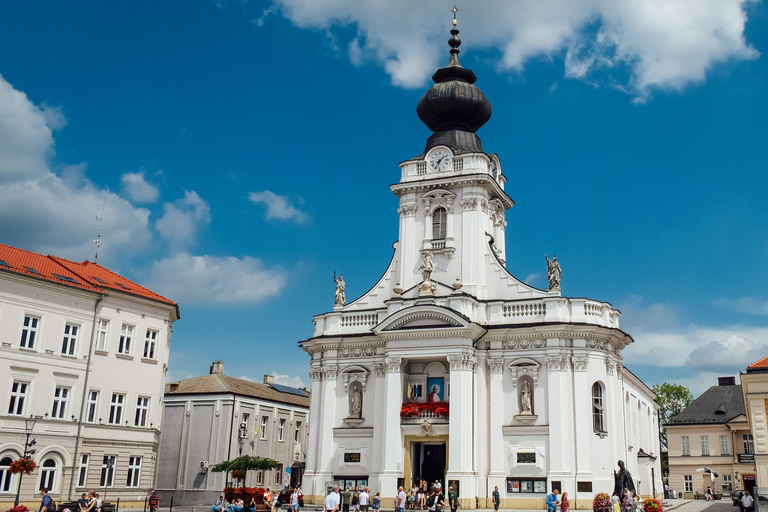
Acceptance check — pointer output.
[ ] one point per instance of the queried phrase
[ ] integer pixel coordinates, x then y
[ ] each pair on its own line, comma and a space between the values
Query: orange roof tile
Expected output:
763, 363
85, 276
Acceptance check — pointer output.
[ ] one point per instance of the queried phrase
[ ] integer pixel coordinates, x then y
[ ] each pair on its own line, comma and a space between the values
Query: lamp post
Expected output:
29, 426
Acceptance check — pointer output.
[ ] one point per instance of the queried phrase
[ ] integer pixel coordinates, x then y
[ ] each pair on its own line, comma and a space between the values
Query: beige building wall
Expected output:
755, 391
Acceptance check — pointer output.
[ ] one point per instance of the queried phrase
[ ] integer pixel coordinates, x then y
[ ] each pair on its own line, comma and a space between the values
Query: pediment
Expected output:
422, 317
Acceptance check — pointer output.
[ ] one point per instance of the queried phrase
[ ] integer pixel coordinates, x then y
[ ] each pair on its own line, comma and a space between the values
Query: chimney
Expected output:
726, 381
173, 386
269, 379
217, 368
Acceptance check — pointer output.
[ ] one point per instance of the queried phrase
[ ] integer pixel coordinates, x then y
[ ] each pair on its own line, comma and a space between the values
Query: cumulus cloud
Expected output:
731, 353
289, 380
278, 207
750, 305
214, 280
183, 218
47, 212
664, 44
138, 188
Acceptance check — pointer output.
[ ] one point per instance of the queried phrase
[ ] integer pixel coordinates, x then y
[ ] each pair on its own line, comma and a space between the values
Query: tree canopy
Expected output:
672, 398
244, 463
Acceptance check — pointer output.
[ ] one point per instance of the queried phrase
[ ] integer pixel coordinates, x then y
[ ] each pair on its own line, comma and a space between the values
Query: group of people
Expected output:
553, 503
359, 500
272, 499
91, 503
626, 503
420, 493
432, 499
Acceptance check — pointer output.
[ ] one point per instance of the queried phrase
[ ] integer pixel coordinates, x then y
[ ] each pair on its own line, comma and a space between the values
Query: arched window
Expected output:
5, 474
48, 474
598, 409
439, 217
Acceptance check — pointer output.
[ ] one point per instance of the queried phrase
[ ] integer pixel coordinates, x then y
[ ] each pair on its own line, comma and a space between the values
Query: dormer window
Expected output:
439, 219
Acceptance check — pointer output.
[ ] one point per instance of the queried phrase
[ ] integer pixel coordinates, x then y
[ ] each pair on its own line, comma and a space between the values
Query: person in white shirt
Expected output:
748, 502
400, 500
364, 499
331, 503
295, 500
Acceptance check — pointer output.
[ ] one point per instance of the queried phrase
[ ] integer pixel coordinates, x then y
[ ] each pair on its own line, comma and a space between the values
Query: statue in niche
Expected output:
623, 480
356, 407
525, 399
554, 273
341, 287
427, 267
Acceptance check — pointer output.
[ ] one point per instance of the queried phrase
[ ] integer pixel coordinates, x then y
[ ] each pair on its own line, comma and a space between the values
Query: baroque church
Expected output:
451, 369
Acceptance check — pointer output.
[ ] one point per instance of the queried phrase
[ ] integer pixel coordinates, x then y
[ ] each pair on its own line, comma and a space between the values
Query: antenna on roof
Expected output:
100, 220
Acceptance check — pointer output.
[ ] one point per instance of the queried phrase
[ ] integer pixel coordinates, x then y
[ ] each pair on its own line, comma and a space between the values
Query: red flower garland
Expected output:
22, 466
414, 409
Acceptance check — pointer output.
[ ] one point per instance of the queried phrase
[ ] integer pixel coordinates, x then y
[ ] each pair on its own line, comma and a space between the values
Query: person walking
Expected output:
748, 502
400, 500
565, 505
496, 498
364, 499
615, 506
376, 501
331, 503
453, 499
552, 500
45, 501
154, 501
627, 500
346, 497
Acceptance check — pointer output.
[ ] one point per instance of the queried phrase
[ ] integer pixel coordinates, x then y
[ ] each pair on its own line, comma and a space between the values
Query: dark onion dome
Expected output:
454, 108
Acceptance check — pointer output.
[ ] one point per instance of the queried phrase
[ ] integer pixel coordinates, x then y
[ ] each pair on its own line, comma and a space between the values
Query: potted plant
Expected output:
25, 466
601, 502
652, 505
239, 467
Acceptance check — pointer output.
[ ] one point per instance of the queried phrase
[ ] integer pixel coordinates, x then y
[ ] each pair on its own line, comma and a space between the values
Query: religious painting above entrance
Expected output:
435, 387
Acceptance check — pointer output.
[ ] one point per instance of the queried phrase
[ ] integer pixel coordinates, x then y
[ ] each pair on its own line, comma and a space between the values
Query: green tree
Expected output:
672, 398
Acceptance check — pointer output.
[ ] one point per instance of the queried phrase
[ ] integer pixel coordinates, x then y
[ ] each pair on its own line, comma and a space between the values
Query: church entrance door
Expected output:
429, 459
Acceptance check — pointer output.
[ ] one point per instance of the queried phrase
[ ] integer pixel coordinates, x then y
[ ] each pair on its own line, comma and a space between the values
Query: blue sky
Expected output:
244, 150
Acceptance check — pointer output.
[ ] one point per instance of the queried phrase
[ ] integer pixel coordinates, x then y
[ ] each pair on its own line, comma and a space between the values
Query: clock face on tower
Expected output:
440, 160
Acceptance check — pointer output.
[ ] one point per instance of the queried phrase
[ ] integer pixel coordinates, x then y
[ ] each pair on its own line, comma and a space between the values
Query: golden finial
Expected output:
454, 10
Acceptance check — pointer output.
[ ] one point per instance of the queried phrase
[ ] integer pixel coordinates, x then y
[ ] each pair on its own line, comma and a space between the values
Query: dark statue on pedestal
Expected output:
623, 481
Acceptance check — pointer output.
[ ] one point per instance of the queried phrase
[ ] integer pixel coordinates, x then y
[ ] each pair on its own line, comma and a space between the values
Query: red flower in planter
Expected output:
22, 466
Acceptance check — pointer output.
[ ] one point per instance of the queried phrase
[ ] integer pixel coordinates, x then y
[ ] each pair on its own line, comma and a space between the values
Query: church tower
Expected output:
450, 369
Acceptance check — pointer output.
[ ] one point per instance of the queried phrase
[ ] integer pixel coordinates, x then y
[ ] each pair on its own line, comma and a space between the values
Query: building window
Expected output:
686, 445
279, 474
263, 429
101, 335
126, 337
142, 411
70, 339
48, 474
18, 398
107, 471
297, 432
116, 408
134, 471
438, 224
5, 474
688, 483
598, 411
749, 444
29, 331
260, 476
82, 471
93, 402
280, 429
727, 483
725, 449
60, 397
705, 445
150, 344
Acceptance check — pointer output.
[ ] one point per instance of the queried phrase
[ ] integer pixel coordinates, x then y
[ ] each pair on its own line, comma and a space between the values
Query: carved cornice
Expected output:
485, 207
462, 362
469, 204
524, 366
394, 364
525, 344
601, 345
495, 364
557, 363
421, 315
407, 210
580, 363
357, 351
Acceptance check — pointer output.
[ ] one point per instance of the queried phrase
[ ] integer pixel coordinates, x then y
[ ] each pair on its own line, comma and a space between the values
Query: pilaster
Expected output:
496, 475
560, 414
460, 463
392, 452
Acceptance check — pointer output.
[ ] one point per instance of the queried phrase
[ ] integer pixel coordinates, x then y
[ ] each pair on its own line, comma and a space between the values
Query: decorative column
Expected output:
325, 456
584, 433
496, 476
427, 223
560, 416
314, 489
392, 454
379, 420
460, 435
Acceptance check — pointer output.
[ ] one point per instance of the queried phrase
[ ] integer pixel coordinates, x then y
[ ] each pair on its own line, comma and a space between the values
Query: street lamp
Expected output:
29, 426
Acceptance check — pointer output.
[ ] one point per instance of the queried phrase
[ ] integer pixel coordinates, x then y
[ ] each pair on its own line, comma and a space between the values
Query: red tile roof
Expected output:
763, 363
85, 276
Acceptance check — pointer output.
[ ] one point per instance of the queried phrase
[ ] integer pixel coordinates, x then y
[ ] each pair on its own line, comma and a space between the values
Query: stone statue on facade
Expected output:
622, 481
356, 409
525, 399
427, 287
554, 273
341, 287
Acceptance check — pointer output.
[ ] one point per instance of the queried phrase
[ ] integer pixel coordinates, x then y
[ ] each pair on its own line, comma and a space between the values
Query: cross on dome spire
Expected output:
454, 11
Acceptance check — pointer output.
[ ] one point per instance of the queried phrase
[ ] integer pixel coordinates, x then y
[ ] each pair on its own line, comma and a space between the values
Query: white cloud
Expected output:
182, 219
532, 278
731, 353
750, 305
190, 279
664, 44
50, 213
278, 207
289, 380
138, 188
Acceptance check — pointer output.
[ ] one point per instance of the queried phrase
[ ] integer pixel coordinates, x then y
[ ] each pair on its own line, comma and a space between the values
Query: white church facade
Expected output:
452, 369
